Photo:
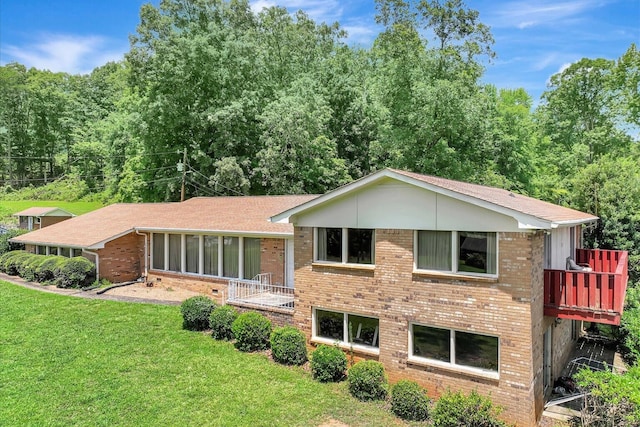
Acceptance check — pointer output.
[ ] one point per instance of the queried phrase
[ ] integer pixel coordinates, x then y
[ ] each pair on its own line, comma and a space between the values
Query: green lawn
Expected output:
9, 207
70, 361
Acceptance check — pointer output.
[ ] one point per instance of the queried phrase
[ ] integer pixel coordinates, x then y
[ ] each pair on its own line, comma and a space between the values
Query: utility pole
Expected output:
184, 173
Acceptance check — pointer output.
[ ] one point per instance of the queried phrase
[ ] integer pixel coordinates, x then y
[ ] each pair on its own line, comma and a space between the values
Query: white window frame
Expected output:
452, 365
345, 332
183, 254
455, 253
345, 248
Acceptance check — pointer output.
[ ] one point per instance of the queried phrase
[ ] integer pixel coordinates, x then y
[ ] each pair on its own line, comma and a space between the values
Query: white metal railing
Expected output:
260, 292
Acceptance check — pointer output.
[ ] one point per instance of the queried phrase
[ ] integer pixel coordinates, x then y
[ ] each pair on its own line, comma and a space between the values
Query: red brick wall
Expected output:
122, 259
272, 259
50, 220
216, 288
397, 296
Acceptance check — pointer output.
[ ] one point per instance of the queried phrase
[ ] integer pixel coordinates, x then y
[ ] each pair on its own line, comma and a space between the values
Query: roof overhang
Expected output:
524, 221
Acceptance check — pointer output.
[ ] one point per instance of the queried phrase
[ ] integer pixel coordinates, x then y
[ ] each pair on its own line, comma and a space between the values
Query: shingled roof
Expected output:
43, 211
238, 215
530, 212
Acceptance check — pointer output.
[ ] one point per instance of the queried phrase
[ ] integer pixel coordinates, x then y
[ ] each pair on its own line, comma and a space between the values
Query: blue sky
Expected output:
534, 39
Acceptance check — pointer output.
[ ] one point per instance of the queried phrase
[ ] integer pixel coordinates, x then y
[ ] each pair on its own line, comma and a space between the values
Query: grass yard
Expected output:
9, 207
70, 361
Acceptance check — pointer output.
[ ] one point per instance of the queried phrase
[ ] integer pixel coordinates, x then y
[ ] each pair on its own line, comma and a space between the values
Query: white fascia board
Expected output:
37, 243
260, 234
575, 222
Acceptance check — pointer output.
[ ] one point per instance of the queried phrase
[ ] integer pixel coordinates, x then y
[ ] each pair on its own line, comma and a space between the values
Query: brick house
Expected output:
36, 218
200, 244
451, 284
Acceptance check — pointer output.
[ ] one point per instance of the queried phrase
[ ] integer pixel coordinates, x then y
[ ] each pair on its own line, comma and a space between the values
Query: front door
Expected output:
546, 359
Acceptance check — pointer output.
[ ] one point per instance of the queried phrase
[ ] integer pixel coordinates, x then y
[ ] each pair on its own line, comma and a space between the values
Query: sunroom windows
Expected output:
345, 245
209, 255
457, 251
345, 328
456, 349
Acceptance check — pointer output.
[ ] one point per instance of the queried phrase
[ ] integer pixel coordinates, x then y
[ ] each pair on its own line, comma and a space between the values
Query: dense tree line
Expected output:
273, 103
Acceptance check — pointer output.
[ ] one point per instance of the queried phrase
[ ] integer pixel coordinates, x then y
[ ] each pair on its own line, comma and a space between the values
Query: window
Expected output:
77, 252
211, 255
175, 252
230, 257
53, 250
454, 348
457, 251
158, 251
193, 253
65, 252
346, 328
41, 250
345, 245
252, 256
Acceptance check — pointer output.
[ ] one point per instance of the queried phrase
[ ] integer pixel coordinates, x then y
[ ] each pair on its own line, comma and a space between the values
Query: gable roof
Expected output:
529, 212
43, 211
238, 215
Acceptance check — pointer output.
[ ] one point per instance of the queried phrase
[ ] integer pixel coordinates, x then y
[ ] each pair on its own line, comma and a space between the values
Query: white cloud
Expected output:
65, 53
327, 11
525, 14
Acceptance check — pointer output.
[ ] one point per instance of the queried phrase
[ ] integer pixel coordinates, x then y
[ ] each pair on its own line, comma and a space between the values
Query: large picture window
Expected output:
210, 255
346, 328
193, 253
457, 251
455, 348
345, 245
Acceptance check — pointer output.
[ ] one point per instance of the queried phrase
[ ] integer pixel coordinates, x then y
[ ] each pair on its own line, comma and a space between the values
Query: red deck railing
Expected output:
595, 296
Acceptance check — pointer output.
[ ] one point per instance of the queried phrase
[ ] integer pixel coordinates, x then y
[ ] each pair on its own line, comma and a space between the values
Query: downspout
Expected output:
146, 254
95, 254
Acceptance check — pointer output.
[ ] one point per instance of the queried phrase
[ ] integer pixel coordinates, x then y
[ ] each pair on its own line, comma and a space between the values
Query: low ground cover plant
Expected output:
251, 331
328, 363
288, 346
368, 380
196, 312
220, 321
409, 401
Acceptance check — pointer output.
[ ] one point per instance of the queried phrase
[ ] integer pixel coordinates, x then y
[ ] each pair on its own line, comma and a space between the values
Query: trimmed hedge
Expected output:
409, 401
220, 322
49, 269
252, 331
196, 312
328, 363
289, 346
473, 410
368, 381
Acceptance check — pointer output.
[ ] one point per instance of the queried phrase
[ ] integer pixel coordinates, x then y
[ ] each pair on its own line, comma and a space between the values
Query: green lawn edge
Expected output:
72, 361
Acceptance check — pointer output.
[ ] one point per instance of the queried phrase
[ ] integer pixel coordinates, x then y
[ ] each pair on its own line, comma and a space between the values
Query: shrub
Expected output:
220, 322
612, 399
409, 402
74, 272
630, 324
289, 346
328, 363
195, 312
13, 261
6, 245
4, 259
251, 331
457, 409
28, 268
367, 380
45, 272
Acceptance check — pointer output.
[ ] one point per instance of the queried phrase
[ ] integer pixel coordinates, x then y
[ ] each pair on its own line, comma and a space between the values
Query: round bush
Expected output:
328, 363
195, 312
251, 331
220, 322
28, 269
367, 380
289, 346
409, 402
74, 273
13, 262
457, 409
45, 272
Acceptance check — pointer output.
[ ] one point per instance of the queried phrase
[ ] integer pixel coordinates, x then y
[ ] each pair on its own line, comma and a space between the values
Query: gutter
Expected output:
146, 253
97, 262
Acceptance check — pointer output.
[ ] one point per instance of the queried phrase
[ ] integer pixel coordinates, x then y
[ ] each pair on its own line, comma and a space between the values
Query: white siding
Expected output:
402, 206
